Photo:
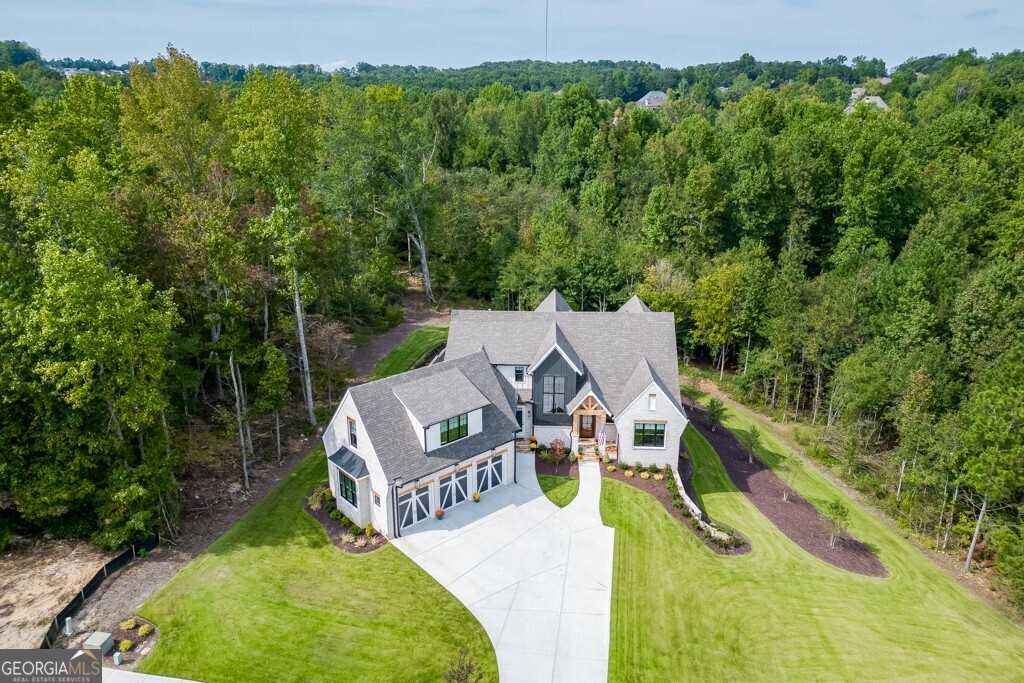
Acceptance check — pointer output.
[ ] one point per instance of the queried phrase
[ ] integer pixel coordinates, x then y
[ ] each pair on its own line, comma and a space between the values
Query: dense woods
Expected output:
179, 251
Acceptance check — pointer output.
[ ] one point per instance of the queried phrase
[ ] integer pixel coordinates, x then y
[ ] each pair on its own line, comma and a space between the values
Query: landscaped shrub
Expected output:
319, 496
356, 531
127, 624
370, 530
557, 450
629, 473
606, 458
145, 630
330, 507
612, 468
348, 538
336, 514
361, 542
125, 645
638, 467
645, 475
653, 469
678, 503
659, 477
572, 456
345, 521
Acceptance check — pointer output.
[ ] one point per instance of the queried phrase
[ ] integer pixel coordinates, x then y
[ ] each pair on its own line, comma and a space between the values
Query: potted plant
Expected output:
533, 443
476, 497
439, 514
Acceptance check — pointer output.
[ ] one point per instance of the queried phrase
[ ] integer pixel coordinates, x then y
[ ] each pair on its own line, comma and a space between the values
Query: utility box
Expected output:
104, 642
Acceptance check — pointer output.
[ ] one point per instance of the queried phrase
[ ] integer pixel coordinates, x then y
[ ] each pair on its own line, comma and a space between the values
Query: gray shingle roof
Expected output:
609, 344
555, 337
553, 303
439, 396
634, 305
394, 438
642, 377
349, 462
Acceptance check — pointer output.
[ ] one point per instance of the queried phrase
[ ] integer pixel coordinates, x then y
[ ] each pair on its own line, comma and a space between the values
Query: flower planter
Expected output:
439, 514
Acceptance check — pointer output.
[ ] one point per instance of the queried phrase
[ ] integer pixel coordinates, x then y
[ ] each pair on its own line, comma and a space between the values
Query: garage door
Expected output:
413, 506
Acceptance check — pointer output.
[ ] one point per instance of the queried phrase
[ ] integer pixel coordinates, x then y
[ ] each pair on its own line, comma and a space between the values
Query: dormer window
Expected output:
520, 373
454, 428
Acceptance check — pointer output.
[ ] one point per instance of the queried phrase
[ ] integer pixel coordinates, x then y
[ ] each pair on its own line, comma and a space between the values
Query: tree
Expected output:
837, 516
714, 304
463, 670
276, 120
715, 413
272, 393
993, 439
754, 443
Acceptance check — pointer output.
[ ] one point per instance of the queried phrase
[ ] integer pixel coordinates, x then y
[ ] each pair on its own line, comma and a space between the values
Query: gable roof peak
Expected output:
635, 305
554, 303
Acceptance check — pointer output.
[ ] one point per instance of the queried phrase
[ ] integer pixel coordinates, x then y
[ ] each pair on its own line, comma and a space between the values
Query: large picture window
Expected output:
554, 394
649, 434
455, 428
347, 488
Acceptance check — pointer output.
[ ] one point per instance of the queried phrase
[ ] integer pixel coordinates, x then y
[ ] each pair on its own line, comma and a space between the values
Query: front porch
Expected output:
592, 432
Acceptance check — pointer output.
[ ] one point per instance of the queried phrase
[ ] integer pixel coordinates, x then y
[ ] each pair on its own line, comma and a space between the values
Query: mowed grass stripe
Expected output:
405, 356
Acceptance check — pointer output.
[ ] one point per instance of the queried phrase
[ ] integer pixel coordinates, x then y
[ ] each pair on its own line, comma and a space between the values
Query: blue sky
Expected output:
463, 32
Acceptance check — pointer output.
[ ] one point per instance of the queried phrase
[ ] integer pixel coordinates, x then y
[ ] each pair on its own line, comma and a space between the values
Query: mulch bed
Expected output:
562, 469
335, 531
796, 517
141, 646
659, 489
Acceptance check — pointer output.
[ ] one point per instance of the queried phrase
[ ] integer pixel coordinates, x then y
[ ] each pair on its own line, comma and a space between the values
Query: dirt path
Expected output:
796, 517
417, 315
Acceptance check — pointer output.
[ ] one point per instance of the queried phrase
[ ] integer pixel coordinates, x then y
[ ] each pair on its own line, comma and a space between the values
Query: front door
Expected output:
587, 426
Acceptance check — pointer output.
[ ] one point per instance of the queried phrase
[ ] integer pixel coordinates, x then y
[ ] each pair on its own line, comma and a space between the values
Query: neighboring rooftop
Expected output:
554, 302
464, 381
652, 100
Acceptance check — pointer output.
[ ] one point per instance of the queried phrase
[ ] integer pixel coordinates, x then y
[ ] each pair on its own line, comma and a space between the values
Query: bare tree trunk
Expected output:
746, 358
817, 394
167, 432
899, 486
721, 372
421, 247
952, 515
238, 419
977, 532
277, 433
266, 317
303, 356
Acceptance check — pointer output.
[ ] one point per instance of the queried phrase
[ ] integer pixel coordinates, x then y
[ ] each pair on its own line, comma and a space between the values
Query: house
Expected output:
859, 95
594, 380
652, 100
403, 447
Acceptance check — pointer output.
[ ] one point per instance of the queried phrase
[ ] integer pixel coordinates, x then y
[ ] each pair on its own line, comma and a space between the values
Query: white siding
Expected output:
476, 421
420, 432
546, 434
638, 412
509, 373
433, 437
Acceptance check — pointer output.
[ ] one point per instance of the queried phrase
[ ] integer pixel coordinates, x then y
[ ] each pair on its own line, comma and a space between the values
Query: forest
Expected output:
179, 251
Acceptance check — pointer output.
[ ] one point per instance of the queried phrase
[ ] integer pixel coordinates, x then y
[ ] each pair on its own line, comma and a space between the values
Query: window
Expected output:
652, 401
649, 434
554, 394
454, 428
376, 499
352, 440
347, 488
520, 373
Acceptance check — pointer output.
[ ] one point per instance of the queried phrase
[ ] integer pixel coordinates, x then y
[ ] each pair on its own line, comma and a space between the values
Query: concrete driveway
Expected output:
538, 577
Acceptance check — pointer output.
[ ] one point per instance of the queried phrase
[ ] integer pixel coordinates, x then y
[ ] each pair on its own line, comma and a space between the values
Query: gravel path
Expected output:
364, 357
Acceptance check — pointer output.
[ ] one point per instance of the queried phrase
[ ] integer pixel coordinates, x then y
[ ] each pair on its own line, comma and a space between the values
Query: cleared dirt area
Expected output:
795, 517
36, 581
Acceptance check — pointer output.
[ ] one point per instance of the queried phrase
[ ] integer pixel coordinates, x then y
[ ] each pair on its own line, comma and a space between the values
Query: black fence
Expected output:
57, 624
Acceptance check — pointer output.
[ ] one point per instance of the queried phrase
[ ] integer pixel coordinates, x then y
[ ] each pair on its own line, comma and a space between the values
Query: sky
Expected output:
455, 33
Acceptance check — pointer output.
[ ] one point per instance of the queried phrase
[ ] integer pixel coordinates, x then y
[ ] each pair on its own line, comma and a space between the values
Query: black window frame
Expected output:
347, 486
648, 434
553, 393
450, 432
353, 437
519, 373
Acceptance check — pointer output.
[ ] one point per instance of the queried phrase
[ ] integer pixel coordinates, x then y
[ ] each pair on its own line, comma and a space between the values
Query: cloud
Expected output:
982, 13
331, 67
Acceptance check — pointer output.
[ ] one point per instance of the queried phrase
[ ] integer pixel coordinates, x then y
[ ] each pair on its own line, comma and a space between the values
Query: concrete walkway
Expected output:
538, 577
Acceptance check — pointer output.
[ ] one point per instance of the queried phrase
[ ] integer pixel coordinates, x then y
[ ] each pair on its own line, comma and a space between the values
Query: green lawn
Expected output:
272, 600
405, 356
680, 611
559, 490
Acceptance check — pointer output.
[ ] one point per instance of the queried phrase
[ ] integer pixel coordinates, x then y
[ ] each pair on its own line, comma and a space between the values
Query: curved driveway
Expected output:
538, 577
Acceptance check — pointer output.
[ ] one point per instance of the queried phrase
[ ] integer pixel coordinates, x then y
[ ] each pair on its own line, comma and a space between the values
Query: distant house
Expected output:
859, 96
652, 100
885, 81
403, 447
